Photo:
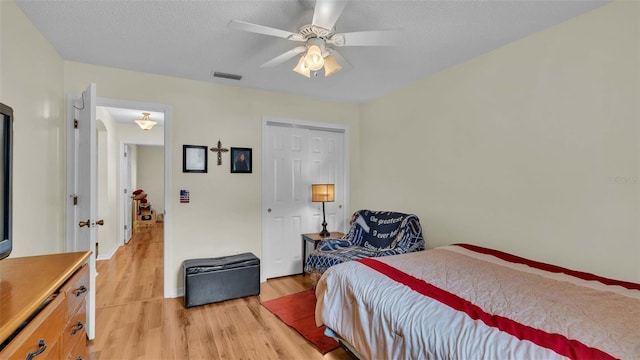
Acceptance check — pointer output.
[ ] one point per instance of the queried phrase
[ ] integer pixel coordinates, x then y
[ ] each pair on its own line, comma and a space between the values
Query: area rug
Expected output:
298, 311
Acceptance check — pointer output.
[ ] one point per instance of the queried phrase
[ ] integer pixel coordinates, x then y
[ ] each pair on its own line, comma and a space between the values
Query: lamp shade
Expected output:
301, 69
322, 192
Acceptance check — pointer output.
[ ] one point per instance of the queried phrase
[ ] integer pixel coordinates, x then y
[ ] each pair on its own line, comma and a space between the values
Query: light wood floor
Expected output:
134, 321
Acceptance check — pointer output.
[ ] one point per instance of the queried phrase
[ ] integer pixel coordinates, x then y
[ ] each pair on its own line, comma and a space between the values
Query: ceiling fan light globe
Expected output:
301, 68
331, 65
313, 60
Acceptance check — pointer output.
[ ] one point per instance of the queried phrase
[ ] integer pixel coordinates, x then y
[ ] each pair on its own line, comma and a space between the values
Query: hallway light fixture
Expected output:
145, 123
323, 193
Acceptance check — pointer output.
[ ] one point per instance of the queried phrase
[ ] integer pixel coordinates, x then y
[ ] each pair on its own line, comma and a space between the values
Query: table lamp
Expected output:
323, 193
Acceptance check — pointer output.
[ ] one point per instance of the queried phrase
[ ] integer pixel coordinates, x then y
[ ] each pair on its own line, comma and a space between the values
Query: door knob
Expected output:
100, 222
269, 210
83, 223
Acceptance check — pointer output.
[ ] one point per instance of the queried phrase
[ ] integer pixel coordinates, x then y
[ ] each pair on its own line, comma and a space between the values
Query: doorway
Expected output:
115, 203
296, 155
142, 169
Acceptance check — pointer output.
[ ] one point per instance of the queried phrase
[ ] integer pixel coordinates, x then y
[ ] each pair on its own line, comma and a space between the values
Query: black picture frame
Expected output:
245, 168
194, 159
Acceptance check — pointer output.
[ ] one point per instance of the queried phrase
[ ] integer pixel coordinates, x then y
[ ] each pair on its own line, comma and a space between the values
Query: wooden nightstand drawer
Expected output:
75, 332
77, 288
41, 334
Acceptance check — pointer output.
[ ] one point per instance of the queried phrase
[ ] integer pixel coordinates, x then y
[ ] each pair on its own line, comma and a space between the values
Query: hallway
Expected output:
135, 272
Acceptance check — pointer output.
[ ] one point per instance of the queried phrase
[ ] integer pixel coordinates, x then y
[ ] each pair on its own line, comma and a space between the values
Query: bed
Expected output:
468, 302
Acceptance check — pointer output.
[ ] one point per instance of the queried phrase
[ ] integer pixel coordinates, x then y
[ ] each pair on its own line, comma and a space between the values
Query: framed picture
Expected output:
241, 160
194, 159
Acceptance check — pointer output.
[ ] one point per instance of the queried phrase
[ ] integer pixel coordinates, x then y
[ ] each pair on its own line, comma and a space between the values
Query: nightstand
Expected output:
314, 238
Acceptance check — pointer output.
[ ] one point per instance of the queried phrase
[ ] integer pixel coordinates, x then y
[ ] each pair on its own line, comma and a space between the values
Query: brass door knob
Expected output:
83, 223
100, 222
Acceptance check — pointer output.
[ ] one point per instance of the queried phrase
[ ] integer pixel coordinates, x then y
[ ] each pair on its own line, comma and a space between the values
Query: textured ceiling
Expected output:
189, 39
129, 116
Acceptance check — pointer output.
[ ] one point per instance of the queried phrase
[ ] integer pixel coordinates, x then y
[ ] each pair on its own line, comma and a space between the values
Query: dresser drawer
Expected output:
51, 352
77, 288
75, 332
79, 352
41, 334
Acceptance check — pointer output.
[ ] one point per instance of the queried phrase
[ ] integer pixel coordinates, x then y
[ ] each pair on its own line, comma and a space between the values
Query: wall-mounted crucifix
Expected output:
219, 149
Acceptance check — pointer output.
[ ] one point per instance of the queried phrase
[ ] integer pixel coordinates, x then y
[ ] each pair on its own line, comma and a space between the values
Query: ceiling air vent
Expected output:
227, 76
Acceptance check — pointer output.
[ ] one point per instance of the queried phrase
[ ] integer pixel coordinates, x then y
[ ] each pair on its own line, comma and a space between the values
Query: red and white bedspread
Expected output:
467, 302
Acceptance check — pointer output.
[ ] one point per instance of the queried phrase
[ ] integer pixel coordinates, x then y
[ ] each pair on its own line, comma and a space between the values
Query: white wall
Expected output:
531, 149
103, 187
31, 82
108, 183
133, 153
150, 175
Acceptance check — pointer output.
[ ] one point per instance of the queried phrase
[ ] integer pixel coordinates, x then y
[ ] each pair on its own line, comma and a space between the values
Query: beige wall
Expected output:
31, 82
150, 175
532, 148
225, 210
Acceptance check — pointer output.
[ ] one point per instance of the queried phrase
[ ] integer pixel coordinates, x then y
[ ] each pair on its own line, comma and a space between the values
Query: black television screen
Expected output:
6, 154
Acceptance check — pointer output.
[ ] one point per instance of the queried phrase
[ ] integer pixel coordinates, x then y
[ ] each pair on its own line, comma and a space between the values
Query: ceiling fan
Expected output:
320, 40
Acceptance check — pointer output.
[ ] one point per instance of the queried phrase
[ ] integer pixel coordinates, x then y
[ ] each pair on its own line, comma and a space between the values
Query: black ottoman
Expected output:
218, 279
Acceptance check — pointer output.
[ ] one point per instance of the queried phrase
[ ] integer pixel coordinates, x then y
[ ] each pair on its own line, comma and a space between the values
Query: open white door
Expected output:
126, 193
86, 176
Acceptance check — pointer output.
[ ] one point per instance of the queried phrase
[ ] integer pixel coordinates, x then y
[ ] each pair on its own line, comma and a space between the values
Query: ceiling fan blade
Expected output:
284, 57
367, 38
265, 30
341, 59
327, 12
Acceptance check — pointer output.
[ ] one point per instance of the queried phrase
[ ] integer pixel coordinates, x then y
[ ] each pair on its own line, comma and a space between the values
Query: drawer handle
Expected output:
41, 348
83, 289
78, 327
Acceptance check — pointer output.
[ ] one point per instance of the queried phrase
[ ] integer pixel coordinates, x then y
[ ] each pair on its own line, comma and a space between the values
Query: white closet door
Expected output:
294, 158
326, 153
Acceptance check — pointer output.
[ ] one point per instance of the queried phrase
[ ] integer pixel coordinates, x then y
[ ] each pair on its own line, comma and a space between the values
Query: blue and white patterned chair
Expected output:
372, 234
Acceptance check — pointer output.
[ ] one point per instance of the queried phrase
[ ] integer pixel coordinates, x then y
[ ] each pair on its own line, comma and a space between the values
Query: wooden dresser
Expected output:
43, 306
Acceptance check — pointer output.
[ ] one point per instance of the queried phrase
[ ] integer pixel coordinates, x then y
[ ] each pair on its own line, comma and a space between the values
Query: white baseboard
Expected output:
175, 293
108, 256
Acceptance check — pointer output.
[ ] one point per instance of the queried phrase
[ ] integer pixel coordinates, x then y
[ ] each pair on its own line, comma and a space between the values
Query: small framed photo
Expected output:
194, 159
241, 160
